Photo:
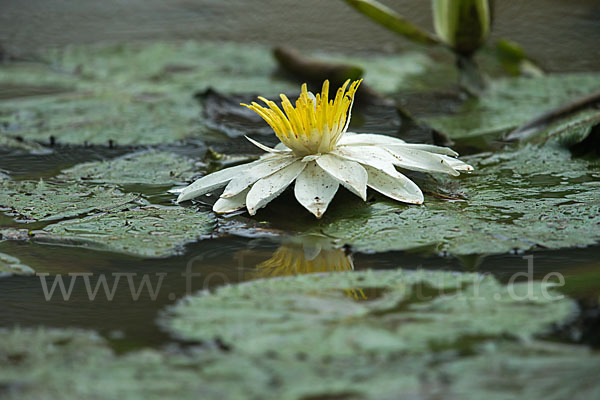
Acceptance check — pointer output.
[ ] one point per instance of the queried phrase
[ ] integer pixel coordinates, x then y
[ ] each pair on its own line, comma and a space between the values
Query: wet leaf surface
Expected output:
516, 200
129, 94
510, 102
149, 231
45, 201
417, 312
10, 266
12, 143
73, 364
147, 168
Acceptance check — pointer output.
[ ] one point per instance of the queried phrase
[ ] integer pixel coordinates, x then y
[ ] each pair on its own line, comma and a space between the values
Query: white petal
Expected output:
368, 139
348, 173
266, 148
401, 189
375, 139
419, 160
349, 116
265, 168
212, 181
315, 189
370, 155
432, 149
458, 164
266, 189
231, 204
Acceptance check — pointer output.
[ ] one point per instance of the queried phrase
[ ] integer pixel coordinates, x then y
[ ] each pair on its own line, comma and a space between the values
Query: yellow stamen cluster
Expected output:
316, 124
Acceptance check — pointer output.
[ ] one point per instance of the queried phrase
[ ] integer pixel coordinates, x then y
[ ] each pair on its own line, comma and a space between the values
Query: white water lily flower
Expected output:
318, 153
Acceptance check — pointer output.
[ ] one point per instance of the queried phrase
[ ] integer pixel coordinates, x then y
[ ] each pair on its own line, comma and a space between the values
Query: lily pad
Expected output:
73, 364
130, 94
147, 168
14, 143
568, 131
10, 265
540, 371
43, 201
510, 102
144, 93
150, 231
515, 200
413, 312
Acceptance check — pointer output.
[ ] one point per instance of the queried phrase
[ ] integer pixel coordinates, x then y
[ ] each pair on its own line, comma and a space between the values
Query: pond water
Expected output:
131, 324
129, 320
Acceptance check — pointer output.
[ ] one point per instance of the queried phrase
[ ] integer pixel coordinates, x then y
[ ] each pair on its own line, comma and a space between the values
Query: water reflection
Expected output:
308, 255
305, 255
230, 261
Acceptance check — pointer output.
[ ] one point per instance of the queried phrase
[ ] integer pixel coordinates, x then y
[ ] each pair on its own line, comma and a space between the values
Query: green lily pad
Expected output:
10, 265
73, 364
567, 131
144, 93
150, 231
540, 371
147, 168
510, 102
13, 143
42, 201
410, 312
130, 94
515, 200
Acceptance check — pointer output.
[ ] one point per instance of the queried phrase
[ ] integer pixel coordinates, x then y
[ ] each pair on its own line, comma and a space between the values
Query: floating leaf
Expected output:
511, 102
149, 231
532, 197
409, 312
10, 265
73, 364
147, 168
540, 371
14, 143
42, 201
130, 94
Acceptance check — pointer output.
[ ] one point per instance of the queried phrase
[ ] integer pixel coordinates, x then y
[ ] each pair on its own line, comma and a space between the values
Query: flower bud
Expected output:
462, 24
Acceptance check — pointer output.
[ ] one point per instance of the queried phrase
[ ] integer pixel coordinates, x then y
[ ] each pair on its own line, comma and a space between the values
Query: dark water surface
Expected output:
130, 322
562, 35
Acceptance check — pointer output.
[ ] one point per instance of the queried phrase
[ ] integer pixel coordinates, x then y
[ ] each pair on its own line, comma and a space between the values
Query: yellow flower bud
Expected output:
462, 24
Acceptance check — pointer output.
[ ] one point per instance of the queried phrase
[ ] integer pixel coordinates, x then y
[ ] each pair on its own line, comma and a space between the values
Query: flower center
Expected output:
316, 124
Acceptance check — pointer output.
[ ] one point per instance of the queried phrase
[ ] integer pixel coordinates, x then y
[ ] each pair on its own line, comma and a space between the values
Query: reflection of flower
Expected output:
295, 260
317, 153
307, 258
